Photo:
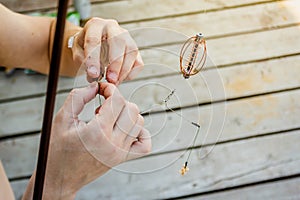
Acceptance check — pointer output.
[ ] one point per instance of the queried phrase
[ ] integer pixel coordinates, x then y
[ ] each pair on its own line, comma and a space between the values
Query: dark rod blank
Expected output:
50, 100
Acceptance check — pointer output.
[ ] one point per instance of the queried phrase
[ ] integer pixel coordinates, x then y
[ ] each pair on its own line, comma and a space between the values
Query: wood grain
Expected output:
213, 85
227, 165
138, 10
219, 122
284, 189
254, 55
25, 6
216, 24
162, 61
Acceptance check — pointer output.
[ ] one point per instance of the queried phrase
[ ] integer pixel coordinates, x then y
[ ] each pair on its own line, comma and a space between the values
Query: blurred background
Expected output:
246, 100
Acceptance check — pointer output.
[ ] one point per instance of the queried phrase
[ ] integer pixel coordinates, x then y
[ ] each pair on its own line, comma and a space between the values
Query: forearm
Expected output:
5, 189
49, 192
26, 42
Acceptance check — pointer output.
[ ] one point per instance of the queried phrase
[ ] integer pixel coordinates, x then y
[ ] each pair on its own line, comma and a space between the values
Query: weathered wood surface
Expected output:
285, 38
216, 24
25, 6
214, 85
144, 9
227, 165
244, 118
255, 46
135, 9
160, 62
223, 167
284, 189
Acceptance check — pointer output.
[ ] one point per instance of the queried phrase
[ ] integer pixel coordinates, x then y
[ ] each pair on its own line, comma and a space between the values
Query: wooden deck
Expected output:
246, 100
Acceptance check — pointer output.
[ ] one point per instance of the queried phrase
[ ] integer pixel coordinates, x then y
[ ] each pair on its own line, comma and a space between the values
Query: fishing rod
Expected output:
50, 100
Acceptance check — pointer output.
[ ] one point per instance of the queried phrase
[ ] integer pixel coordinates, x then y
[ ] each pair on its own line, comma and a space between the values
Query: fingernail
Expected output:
113, 77
93, 70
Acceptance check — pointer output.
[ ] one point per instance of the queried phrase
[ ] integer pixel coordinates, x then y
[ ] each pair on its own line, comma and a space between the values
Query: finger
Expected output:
112, 107
77, 99
141, 147
132, 136
137, 68
116, 55
92, 47
127, 65
126, 120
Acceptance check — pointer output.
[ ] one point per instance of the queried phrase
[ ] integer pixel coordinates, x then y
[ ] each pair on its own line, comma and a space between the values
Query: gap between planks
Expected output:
68, 83
265, 79
248, 127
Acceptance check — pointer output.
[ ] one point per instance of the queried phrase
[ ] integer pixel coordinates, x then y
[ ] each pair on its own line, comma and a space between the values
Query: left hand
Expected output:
104, 43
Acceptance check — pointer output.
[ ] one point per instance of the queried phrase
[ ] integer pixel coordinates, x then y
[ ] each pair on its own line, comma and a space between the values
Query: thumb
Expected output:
77, 99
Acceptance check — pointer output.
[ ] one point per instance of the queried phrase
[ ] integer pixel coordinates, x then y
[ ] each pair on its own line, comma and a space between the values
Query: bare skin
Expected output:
5, 189
80, 152
113, 136
26, 42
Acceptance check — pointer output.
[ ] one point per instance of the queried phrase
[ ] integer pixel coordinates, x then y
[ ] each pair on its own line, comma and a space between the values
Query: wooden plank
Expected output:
30, 112
168, 55
227, 51
244, 118
284, 189
212, 85
228, 165
215, 24
24, 6
19, 187
135, 9
145, 9
165, 61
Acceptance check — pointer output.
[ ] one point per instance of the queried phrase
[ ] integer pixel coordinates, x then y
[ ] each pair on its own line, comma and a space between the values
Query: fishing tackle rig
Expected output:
185, 168
195, 61
189, 66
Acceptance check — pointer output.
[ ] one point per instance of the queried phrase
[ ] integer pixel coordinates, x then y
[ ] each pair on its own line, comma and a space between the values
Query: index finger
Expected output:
92, 48
113, 105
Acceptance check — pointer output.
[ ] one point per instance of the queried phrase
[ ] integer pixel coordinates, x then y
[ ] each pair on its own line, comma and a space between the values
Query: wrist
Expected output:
52, 190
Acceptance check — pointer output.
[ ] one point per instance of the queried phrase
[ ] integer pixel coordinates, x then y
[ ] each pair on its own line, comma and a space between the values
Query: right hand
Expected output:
80, 152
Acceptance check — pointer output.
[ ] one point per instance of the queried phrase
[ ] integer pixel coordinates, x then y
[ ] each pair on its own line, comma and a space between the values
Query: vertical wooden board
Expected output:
215, 24
282, 189
148, 9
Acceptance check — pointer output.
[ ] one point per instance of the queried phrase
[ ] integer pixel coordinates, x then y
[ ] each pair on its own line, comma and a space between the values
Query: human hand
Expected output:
104, 43
80, 152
